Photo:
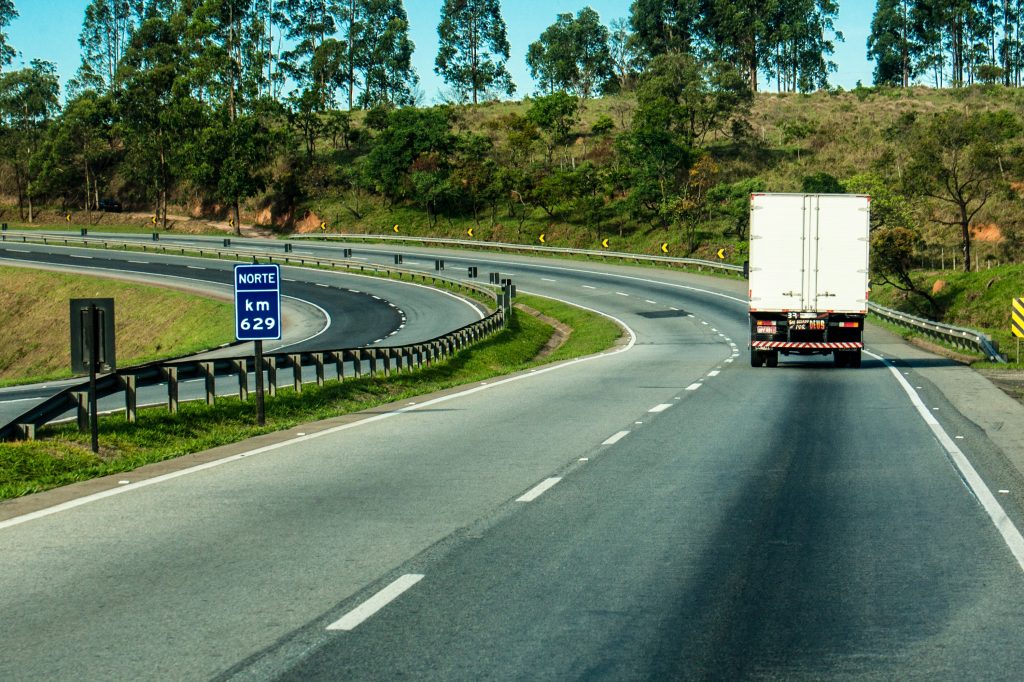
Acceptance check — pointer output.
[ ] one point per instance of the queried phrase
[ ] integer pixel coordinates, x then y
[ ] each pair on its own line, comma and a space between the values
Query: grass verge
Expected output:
152, 322
62, 454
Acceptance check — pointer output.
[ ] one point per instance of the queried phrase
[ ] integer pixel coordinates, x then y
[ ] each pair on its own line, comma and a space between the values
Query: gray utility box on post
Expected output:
92, 322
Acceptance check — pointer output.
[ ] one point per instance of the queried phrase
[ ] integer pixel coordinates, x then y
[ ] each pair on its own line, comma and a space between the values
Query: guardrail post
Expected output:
386, 356
318, 360
209, 381
296, 361
271, 363
27, 431
131, 411
171, 374
242, 367
82, 411
357, 363
373, 361
339, 364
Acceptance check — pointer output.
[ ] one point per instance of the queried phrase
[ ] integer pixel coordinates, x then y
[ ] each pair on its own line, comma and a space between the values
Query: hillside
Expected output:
788, 139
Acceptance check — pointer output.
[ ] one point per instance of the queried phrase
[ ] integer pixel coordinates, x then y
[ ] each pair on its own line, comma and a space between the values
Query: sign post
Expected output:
92, 348
1017, 322
258, 315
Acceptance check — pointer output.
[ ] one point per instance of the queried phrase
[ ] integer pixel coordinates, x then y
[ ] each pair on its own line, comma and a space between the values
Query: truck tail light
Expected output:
849, 325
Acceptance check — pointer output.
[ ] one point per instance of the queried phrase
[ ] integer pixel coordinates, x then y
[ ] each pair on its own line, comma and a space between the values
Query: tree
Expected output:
7, 14
106, 29
889, 43
892, 259
29, 99
624, 54
473, 48
572, 54
956, 160
78, 155
157, 117
663, 26
689, 97
554, 115
411, 135
383, 53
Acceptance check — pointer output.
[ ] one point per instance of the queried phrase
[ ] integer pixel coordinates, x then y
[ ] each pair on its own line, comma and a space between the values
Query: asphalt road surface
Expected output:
321, 310
661, 511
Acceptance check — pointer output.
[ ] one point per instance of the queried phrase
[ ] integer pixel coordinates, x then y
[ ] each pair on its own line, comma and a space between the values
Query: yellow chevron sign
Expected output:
1017, 318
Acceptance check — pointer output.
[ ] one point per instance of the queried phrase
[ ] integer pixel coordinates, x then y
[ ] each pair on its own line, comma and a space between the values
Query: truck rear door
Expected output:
837, 282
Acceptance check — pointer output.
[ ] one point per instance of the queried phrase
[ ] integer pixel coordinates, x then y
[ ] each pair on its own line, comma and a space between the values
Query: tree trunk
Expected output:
965, 234
235, 215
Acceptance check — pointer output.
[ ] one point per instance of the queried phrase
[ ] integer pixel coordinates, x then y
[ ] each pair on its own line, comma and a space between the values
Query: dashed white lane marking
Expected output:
660, 408
652, 302
1014, 540
139, 262
587, 286
675, 309
194, 267
621, 293
616, 438
703, 323
539, 489
713, 373
728, 360
693, 387
325, 286
20, 251
353, 618
73, 255
546, 279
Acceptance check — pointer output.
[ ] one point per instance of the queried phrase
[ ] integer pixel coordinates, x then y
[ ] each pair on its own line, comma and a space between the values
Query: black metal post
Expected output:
261, 414
92, 320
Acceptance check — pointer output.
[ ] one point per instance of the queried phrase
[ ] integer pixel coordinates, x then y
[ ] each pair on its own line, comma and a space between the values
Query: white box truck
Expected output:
808, 276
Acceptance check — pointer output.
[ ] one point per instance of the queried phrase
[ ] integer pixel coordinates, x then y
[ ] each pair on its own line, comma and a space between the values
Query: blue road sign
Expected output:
257, 302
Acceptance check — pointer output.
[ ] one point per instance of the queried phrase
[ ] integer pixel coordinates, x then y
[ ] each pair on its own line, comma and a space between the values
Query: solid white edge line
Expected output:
539, 489
616, 438
356, 616
660, 408
968, 473
95, 497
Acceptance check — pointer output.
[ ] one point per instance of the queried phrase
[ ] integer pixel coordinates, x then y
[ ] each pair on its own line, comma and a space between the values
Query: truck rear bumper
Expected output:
806, 345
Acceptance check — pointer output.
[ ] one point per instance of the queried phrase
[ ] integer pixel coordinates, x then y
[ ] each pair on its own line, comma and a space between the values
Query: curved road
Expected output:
660, 511
322, 310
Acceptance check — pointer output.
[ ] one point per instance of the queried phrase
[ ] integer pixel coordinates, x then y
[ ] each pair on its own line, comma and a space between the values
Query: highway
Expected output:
660, 511
322, 310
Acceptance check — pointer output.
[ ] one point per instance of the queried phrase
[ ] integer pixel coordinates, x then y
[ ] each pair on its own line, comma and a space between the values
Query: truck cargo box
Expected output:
809, 252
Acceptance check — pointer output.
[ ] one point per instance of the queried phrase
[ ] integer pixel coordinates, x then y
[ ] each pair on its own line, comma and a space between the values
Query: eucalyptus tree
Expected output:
229, 157
107, 26
382, 53
8, 13
663, 26
473, 48
891, 43
158, 114
572, 54
29, 101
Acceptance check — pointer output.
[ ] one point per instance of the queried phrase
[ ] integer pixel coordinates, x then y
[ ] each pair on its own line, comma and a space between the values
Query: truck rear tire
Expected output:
772, 358
840, 358
756, 358
854, 358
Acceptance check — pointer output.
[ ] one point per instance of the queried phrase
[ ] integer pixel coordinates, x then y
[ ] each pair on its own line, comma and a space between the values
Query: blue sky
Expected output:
48, 29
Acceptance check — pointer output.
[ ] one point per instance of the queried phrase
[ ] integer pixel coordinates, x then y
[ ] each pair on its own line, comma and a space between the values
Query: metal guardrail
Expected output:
960, 337
379, 359
528, 248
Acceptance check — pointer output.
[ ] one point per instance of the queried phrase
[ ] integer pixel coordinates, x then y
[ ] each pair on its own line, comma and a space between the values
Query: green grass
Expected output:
62, 455
151, 322
978, 300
